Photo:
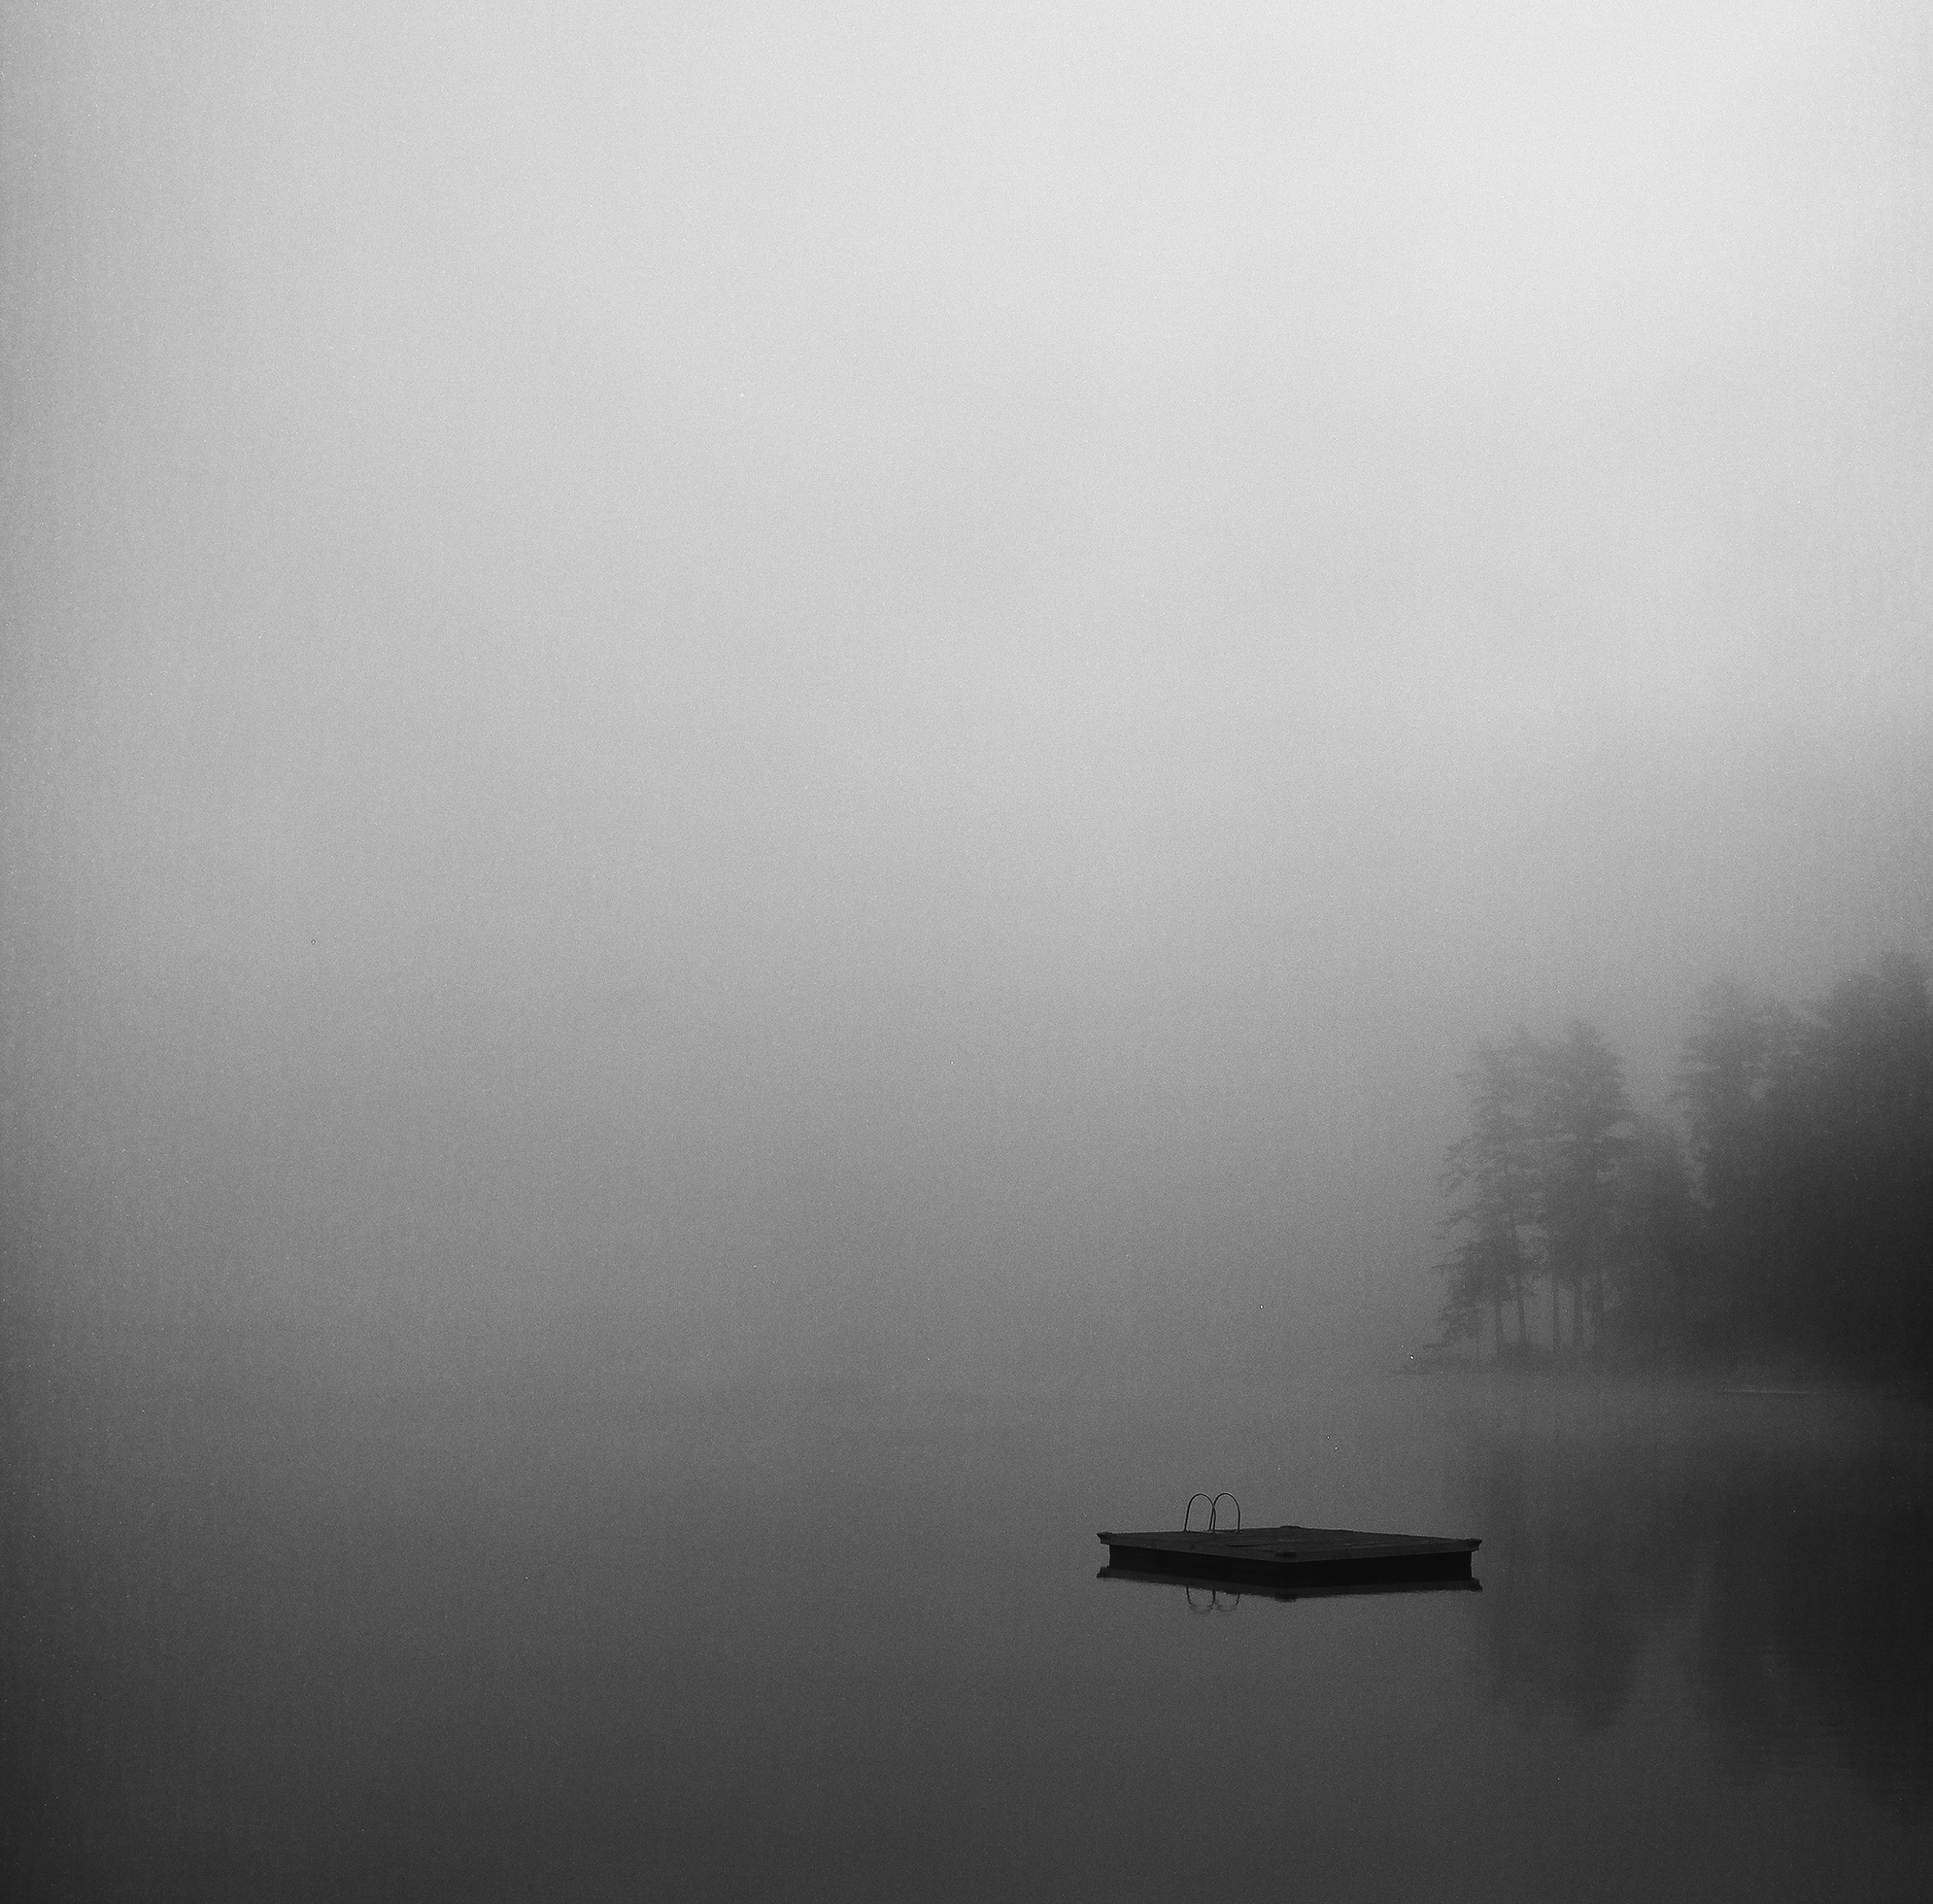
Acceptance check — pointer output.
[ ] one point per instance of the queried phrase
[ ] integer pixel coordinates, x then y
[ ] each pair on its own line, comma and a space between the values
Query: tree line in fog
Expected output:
1784, 1208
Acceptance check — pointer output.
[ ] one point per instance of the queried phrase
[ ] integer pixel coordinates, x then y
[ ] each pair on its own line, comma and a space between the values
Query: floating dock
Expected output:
1289, 1559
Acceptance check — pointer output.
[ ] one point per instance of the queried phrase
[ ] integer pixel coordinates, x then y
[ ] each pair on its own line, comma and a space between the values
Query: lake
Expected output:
527, 1638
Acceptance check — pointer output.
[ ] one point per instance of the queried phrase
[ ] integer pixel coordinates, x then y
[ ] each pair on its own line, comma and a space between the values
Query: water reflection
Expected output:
481, 1646
1213, 1601
1779, 1559
1198, 1589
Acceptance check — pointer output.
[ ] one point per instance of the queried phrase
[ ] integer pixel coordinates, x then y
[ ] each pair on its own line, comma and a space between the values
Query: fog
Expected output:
883, 692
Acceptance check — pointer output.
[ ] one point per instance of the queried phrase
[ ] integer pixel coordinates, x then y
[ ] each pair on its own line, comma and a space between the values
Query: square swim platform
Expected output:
1289, 1556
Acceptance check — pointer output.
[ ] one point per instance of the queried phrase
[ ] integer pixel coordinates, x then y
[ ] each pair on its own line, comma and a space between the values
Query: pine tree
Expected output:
1743, 1044
1581, 1118
1654, 1241
1489, 1174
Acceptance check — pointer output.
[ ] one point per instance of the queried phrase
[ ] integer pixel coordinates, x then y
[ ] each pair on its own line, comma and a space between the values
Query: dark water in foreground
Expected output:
824, 1644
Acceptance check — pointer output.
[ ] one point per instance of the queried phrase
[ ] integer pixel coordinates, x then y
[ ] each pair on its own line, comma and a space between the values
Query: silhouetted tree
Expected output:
1813, 1139
1580, 1119
1490, 1175
1653, 1239
1742, 1043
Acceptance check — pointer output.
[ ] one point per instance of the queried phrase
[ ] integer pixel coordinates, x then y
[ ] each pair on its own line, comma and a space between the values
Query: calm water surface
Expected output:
268, 1641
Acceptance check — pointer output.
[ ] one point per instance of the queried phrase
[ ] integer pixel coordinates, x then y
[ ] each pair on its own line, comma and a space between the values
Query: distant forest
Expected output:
1785, 1212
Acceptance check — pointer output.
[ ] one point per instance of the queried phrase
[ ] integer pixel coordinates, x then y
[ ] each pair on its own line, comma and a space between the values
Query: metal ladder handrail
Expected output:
1214, 1501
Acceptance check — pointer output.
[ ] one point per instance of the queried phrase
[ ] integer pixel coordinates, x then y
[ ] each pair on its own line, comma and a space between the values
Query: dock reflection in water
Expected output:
1226, 1596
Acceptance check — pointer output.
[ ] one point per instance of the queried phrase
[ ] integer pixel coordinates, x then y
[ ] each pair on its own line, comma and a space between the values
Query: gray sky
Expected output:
975, 640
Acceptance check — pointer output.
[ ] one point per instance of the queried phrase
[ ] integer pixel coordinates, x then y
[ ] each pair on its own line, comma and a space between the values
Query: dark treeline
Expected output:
1785, 1211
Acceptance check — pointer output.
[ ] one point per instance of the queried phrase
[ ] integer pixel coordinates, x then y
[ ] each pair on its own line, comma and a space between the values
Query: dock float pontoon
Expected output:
1289, 1558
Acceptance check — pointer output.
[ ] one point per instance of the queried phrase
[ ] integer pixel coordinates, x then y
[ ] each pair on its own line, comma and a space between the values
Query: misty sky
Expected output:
720, 642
